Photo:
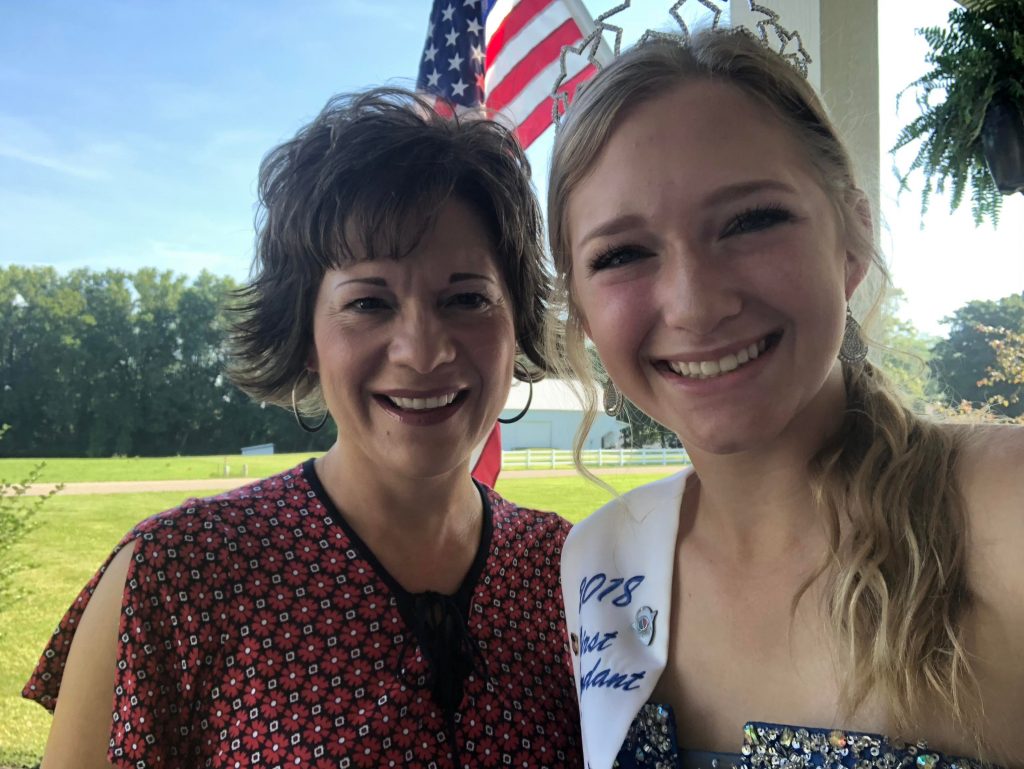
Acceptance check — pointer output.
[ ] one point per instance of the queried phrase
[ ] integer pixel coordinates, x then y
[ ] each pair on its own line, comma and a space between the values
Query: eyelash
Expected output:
360, 304
607, 259
369, 304
756, 219
480, 301
752, 220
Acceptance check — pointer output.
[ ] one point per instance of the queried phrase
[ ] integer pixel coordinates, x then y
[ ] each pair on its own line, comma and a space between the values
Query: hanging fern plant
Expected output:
979, 58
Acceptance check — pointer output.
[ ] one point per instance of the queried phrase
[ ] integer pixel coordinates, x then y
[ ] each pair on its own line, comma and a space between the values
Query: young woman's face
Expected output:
708, 267
415, 355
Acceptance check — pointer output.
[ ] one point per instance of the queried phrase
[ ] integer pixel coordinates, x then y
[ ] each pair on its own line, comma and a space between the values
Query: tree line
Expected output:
105, 363
108, 363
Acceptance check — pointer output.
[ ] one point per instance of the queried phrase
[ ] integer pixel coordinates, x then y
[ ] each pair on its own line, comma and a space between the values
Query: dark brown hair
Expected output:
366, 180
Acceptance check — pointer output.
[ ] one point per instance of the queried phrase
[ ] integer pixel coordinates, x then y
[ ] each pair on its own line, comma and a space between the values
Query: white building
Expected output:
551, 422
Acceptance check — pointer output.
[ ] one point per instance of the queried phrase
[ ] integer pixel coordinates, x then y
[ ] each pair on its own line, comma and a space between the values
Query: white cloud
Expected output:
63, 153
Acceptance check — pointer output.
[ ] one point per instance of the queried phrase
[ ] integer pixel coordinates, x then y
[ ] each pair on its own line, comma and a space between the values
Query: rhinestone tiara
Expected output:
594, 47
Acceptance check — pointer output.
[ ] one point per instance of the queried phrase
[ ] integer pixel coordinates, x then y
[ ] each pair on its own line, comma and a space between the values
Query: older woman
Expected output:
836, 581
373, 607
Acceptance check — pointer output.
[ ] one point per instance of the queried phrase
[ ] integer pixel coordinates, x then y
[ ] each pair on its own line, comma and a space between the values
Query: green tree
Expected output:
1008, 370
963, 363
903, 353
104, 363
641, 430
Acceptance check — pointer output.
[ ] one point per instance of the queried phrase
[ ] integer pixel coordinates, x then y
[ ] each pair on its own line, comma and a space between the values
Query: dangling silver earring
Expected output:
613, 401
853, 350
298, 417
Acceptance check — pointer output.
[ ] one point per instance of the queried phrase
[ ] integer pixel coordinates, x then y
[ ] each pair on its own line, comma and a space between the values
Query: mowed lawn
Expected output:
150, 468
76, 533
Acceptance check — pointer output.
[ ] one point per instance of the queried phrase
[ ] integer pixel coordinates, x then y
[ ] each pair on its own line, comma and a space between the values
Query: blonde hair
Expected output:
896, 586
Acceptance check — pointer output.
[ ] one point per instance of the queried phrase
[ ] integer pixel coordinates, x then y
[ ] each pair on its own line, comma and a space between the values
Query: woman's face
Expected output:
708, 268
415, 355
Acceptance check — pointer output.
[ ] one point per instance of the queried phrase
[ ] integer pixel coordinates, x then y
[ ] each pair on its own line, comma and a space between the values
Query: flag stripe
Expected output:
539, 91
536, 61
501, 62
504, 54
512, 22
540, 118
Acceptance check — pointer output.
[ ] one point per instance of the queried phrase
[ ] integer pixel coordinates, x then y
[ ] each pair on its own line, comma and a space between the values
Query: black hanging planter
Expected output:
1002, 140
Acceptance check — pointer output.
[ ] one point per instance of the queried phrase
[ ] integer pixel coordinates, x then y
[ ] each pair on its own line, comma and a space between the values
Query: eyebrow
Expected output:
456, 277
734, 191
612, 226
716, 198
364, 281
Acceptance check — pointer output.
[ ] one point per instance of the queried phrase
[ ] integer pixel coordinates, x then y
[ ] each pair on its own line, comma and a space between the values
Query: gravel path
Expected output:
223, 484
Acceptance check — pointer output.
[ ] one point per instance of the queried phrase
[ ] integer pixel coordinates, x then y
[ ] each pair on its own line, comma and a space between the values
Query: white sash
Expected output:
617, 582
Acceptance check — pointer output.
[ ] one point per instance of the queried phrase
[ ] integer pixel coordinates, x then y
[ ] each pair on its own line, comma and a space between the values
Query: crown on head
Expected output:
767, 31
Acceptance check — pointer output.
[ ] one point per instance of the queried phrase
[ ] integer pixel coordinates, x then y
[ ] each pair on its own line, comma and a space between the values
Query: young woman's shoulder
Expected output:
991, 476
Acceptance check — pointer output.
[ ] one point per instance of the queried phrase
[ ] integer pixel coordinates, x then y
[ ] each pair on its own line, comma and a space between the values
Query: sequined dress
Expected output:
651, 743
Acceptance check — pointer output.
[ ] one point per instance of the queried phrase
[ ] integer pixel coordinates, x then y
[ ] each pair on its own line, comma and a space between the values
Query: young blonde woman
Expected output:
837, 581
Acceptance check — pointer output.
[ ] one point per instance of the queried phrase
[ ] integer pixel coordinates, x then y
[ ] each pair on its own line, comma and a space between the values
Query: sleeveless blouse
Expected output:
258, 630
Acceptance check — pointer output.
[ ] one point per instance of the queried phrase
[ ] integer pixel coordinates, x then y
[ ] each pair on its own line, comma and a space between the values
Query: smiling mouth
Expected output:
426, 404
710, 369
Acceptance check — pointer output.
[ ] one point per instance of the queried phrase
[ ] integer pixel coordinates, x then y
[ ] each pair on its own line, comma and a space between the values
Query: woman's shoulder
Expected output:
228, 511
524, 523
991, 478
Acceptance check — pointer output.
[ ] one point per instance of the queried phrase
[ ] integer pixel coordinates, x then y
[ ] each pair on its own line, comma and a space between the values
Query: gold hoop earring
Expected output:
298, 417
521, 414
523, 375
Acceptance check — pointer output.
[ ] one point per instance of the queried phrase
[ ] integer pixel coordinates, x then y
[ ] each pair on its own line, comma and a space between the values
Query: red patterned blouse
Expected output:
258, 630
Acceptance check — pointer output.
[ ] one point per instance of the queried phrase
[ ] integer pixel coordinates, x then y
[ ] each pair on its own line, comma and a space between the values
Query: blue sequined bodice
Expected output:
651, 743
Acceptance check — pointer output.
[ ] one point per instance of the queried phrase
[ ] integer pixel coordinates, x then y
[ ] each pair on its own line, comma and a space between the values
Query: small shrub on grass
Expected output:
17, 518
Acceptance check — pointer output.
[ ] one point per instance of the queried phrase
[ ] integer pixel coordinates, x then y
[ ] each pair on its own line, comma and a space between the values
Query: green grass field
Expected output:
76, 533
149, 468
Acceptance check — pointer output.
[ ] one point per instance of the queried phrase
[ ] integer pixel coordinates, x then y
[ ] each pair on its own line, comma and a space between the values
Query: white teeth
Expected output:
708, 369
421, 404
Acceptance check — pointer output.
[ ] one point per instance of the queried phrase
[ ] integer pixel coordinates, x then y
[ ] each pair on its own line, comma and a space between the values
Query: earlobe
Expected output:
312, 364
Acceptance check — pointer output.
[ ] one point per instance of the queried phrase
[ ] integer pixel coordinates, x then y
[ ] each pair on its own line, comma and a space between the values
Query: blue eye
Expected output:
617, 256
757, 219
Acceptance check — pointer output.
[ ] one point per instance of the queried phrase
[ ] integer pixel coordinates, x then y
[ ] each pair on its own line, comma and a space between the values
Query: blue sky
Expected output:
131, 132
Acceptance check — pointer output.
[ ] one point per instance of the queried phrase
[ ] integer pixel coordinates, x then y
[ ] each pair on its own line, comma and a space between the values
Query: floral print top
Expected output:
258, 630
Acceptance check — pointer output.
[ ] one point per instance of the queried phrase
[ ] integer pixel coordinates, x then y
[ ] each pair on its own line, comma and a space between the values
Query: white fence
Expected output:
555, 459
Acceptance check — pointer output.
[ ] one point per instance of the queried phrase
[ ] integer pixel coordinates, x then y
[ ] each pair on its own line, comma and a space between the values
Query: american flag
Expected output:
504, 54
